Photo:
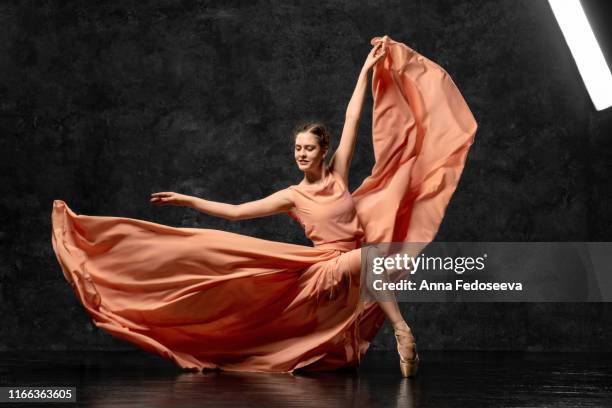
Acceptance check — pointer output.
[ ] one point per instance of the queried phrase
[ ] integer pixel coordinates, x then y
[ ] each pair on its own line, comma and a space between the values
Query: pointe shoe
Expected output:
408, 367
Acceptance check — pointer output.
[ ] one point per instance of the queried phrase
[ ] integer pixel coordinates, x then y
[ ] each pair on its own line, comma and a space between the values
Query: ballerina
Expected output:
207, 298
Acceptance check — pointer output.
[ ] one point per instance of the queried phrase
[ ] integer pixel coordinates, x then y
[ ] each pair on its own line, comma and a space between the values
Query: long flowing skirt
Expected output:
207, 299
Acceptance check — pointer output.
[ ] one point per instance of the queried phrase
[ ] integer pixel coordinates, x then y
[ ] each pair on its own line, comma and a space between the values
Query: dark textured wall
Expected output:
102, 104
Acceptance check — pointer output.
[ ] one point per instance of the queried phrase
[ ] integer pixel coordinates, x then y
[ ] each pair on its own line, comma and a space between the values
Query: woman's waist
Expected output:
343, 246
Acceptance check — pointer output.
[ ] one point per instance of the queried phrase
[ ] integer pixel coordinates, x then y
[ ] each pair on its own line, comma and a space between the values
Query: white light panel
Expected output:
585, 50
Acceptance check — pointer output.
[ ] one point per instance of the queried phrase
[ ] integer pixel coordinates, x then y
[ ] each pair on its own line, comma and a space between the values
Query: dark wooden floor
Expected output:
446, 379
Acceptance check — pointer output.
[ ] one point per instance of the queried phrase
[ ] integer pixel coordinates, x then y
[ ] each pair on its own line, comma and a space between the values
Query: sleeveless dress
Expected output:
212, 299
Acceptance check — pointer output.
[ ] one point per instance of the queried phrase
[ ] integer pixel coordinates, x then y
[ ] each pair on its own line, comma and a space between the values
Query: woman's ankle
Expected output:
400, 325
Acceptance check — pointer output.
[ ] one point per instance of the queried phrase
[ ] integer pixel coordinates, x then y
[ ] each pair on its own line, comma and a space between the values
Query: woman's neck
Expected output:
316, 176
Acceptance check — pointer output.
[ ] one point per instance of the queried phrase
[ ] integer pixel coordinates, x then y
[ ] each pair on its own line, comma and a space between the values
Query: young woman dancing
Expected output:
207, 298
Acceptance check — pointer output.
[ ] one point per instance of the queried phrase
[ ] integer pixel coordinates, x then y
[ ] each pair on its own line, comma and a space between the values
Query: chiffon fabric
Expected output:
212, 299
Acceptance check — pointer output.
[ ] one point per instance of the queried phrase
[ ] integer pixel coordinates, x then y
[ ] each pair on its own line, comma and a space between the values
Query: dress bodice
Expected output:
327, 213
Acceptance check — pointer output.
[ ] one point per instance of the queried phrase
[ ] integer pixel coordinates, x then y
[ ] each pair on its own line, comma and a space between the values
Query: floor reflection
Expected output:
252, 389
446, 379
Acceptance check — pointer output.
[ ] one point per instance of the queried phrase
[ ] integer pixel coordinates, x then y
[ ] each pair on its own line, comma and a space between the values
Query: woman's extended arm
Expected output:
341, 160
275, 203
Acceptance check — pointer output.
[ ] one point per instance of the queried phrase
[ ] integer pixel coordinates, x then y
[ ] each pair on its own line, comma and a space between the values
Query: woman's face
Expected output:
308, 153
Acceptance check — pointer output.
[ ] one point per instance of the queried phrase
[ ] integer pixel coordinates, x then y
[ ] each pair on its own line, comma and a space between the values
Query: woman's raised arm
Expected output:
341, 160
275, 203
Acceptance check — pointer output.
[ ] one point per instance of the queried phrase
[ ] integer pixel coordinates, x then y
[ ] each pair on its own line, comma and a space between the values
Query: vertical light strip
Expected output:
585, 50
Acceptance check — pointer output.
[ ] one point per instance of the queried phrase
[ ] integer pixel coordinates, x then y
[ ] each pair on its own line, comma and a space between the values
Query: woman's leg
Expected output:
403, 333
385, 298
388, 303
392, 311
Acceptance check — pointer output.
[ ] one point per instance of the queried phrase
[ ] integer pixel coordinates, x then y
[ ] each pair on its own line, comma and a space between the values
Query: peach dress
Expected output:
206, 298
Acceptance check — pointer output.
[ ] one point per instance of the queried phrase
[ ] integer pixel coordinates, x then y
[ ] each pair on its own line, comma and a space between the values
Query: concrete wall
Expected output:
102, 104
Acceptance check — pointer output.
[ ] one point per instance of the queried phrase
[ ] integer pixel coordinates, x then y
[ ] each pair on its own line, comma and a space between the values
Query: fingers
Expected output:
161, 198
161, 201
375, 51
376, 48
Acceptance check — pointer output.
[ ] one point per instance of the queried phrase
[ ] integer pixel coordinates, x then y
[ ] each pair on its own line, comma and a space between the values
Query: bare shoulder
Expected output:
286, 194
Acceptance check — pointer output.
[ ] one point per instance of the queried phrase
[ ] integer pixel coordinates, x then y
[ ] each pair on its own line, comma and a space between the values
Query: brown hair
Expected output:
316, 128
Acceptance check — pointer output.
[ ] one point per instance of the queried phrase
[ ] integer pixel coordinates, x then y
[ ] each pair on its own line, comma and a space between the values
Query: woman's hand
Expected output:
170, 198
376, 53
